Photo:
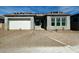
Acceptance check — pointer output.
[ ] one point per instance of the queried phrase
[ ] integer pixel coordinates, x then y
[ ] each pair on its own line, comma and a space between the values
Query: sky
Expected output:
39, 9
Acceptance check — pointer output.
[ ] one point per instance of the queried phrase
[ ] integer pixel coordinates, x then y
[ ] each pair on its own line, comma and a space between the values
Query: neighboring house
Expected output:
75, 22
25, 21
1, 22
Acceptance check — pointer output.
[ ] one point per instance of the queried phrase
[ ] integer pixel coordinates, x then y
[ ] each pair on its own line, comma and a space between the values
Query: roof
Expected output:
23, 14
58, 14
1, 17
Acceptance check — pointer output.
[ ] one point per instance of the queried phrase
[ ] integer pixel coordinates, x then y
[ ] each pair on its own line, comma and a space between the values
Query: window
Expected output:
63, 21
52, 21
58, 21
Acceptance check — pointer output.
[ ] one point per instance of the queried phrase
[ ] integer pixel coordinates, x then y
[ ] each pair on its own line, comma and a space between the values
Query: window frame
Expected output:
53, 21
65, 21
58, 22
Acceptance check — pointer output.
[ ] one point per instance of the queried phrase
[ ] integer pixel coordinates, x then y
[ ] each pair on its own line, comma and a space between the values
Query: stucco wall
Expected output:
49, 27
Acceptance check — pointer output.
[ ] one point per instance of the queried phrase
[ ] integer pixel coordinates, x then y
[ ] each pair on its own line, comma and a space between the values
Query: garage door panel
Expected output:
19, 24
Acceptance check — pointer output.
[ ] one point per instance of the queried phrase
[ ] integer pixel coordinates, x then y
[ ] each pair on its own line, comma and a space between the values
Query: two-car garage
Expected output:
19, 23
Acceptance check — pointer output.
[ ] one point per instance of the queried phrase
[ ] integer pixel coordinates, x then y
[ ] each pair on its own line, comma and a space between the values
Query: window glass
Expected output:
52, 21
58, 21
63, 21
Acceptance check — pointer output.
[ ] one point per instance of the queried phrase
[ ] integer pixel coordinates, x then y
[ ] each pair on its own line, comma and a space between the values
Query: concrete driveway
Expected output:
34, 41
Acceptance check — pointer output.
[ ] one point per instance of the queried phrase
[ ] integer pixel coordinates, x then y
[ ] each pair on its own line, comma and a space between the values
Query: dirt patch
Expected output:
29, 38
68, 37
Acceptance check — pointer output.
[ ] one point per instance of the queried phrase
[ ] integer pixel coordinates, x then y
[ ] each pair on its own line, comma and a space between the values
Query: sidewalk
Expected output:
65, 49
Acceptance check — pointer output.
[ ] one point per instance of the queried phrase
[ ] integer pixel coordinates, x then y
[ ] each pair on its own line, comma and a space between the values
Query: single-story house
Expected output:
75, 22
28, 20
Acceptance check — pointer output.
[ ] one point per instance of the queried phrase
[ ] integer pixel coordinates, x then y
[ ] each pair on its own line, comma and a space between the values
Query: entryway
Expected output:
40, 22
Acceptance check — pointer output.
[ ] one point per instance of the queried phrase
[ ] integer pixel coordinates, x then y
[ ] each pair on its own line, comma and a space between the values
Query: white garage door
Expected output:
19, 24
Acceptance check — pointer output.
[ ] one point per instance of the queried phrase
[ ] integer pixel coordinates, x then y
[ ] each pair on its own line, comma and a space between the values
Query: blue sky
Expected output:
39, 9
